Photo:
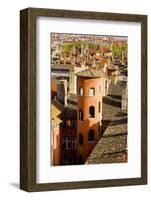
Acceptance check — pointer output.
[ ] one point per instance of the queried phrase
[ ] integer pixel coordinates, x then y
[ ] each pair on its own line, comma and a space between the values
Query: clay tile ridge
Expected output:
90, 73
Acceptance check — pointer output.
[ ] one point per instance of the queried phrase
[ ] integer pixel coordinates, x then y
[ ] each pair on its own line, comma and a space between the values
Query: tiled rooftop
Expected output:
112, 67
69, 113
109, 150
62, 66
117, 89
112, 146
56, 110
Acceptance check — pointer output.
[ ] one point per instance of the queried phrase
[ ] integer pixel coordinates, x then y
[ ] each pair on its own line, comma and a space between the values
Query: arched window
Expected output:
80, 139
92, 92
81, 115
91, 135
81, 91
99, 107
91, 112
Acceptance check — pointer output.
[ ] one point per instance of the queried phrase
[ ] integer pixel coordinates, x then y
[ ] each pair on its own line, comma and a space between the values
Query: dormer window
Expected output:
92, 92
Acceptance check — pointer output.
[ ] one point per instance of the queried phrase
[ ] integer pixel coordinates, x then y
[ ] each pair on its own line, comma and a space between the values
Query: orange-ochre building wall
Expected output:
84, 102
56, 145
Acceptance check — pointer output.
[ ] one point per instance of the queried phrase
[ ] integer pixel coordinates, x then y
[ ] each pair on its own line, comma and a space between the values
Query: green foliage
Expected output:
92, 45
117, 49
67, 47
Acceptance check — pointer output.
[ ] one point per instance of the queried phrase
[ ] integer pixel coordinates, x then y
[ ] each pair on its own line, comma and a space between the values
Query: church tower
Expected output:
89, 111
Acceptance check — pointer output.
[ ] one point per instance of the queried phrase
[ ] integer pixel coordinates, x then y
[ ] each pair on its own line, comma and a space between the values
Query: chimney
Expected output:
82, 50
73, 60
124, 101
62, 92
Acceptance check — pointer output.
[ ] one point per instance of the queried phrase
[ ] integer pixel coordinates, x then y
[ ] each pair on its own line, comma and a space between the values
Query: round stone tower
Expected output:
89, 111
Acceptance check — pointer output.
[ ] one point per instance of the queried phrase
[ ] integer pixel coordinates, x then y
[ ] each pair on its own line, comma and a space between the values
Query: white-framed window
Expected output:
74, 143
69, 143
81, 91
66, 143
92, 92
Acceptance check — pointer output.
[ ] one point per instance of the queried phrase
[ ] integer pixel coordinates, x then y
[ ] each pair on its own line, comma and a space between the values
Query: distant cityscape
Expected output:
89, 99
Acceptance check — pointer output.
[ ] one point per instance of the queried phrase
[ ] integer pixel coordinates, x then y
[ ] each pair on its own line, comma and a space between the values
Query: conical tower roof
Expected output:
90, 73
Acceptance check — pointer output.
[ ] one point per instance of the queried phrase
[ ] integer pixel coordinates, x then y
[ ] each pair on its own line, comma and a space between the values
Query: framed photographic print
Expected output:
83, 99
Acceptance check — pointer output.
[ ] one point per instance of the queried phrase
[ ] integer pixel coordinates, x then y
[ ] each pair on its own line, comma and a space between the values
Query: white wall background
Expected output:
9, 98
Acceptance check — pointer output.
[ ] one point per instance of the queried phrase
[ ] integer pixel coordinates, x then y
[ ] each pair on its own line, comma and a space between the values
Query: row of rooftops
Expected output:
112, 146
78, 60
89, 72
111, 103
